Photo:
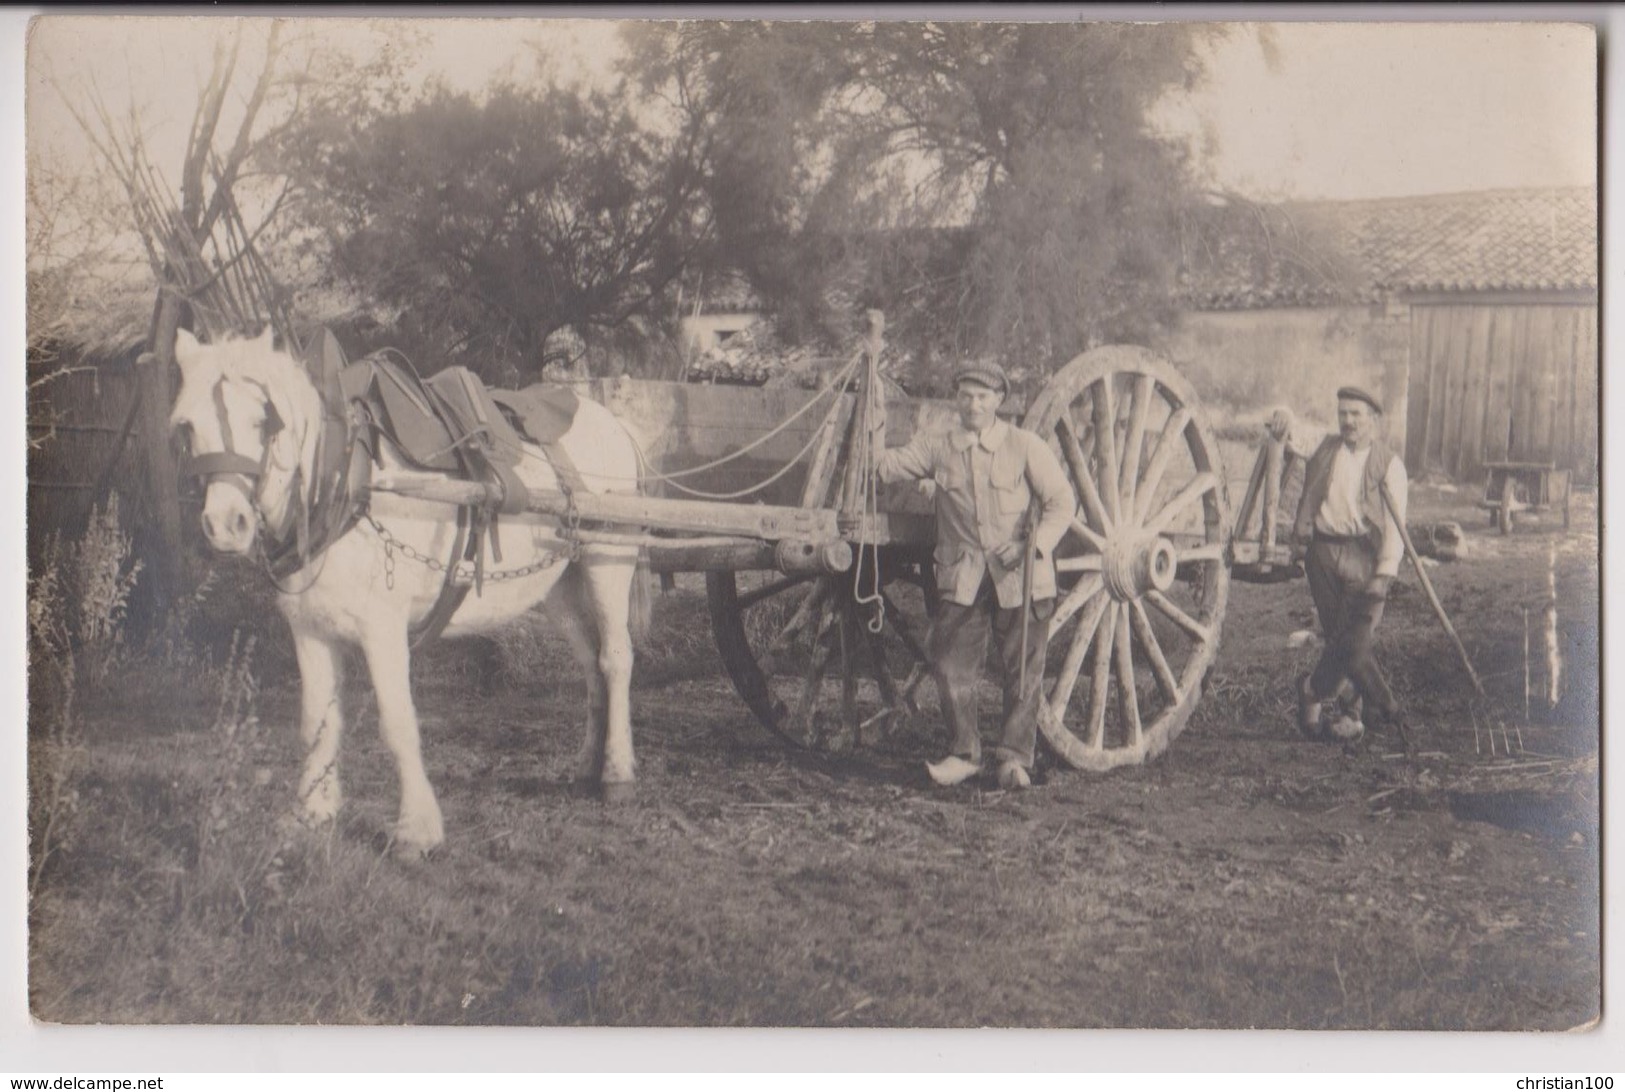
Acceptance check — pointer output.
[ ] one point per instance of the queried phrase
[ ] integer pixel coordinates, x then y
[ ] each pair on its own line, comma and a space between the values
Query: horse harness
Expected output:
451, 423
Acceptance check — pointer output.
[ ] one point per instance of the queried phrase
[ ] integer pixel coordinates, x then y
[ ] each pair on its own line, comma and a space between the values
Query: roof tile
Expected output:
1494, 240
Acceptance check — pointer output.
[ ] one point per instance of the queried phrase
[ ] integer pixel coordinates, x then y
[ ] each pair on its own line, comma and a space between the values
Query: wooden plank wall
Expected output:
88, 409
1495, 382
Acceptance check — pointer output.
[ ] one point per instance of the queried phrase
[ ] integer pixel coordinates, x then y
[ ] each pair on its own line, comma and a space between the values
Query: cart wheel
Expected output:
801, 653
1503, 514
1142, 572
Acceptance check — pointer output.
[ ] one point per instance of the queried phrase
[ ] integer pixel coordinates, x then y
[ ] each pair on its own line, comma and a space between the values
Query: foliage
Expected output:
78, 598
491, 222
825, 141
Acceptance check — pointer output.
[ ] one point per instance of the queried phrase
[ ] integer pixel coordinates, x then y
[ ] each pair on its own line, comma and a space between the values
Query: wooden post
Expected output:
815, 490
852, 483
163, 541
1249, 500
1275, 467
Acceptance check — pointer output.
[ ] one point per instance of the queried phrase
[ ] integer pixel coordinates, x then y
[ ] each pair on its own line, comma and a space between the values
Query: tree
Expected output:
1033, 140
492, 222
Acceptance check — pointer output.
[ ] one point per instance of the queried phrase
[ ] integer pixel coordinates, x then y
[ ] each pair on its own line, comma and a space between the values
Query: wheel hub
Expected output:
1135, 564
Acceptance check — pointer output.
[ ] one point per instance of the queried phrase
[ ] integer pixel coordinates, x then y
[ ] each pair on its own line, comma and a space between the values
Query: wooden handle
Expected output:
1427, 586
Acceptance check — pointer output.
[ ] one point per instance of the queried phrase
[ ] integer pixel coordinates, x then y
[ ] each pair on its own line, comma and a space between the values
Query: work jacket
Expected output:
984, 486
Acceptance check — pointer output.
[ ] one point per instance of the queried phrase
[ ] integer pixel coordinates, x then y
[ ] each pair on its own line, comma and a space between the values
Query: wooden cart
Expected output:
1510, 488
820, 586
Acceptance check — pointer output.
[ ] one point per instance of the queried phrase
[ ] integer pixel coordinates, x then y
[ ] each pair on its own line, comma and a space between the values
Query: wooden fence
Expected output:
83, 443
1505, 381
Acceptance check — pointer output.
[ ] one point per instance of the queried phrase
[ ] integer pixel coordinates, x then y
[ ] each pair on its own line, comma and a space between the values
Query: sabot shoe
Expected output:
953, 770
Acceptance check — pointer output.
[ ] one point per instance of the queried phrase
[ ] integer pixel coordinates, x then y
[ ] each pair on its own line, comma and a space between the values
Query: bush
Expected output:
76, 609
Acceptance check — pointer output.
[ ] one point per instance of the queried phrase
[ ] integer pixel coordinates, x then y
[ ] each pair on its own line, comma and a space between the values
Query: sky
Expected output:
1389, 110
1342, 110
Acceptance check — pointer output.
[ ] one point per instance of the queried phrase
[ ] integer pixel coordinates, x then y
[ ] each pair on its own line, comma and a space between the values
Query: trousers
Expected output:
957, 649
1338, 572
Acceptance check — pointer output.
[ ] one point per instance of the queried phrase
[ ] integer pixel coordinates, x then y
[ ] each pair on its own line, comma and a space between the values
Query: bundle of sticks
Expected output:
222, 276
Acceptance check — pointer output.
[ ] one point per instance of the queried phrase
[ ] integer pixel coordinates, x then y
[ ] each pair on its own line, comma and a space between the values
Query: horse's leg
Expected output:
418, 828
608, 583
321, 724
567, 607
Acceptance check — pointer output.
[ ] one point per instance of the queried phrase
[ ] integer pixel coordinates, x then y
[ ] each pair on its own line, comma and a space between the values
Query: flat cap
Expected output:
1358, 394
987, 373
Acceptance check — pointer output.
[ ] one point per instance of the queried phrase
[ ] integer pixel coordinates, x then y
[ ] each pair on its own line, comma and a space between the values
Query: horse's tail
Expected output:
642, 616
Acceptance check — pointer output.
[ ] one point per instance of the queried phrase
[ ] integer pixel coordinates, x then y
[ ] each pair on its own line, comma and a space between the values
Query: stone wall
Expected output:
1245, 363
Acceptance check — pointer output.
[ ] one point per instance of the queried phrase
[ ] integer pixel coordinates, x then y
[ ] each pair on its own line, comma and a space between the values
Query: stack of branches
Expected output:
222, 276
201, 252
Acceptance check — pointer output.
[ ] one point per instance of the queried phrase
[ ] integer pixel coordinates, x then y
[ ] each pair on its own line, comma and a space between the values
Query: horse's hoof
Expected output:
416, 840
617, 793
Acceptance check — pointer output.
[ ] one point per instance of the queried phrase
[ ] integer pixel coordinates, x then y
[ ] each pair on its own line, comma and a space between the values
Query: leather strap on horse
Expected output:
570, 483
452, 593
325, 508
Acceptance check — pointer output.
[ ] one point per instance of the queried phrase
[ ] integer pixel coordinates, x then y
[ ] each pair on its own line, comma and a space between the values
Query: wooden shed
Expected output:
1474, 315
1501, 290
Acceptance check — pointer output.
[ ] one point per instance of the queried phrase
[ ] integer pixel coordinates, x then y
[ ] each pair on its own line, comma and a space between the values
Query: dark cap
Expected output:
986, 373
1358, 395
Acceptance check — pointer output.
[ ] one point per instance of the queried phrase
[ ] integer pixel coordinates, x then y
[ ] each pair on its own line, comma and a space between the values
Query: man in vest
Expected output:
988, 474
1352, 553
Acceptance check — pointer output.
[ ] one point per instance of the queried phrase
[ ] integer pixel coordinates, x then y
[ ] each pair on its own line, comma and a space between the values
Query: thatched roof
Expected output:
105, 317
96, 317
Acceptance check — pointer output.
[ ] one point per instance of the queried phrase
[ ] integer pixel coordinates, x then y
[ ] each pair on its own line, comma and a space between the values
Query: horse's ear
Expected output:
267, 338
185, 345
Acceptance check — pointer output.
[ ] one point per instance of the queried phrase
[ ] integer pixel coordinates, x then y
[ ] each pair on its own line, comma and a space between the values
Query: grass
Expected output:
1243, 880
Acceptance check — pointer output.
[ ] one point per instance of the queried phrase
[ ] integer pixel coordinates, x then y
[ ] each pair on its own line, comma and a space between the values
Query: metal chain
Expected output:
464, 570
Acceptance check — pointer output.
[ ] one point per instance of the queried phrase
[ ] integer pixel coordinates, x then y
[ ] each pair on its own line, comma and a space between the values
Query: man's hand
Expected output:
1008, 554
1280, 424
1377, 586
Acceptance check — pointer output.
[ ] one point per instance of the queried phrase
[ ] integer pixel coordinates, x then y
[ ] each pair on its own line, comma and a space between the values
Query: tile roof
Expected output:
1325, 251
722, 292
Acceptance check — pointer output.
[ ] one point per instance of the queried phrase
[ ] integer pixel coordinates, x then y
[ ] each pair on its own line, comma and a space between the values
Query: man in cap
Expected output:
1353, 548
988, 474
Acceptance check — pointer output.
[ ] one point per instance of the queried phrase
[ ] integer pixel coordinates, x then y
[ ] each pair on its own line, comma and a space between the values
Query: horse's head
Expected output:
248, 418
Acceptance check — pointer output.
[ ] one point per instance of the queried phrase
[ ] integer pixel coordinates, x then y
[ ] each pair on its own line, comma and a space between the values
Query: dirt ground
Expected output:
1247, 878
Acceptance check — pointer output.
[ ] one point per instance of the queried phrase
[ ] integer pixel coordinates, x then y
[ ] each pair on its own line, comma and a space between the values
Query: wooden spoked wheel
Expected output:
1142, 573
803, 654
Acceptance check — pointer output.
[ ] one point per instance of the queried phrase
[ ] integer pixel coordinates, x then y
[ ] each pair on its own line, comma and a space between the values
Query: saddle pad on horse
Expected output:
542, 412
448, 413
431, 419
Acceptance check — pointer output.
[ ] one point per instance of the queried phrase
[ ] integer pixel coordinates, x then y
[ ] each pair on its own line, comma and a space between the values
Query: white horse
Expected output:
253, 414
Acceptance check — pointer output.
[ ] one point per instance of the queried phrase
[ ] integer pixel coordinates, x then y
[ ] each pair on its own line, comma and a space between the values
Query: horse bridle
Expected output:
229, 464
